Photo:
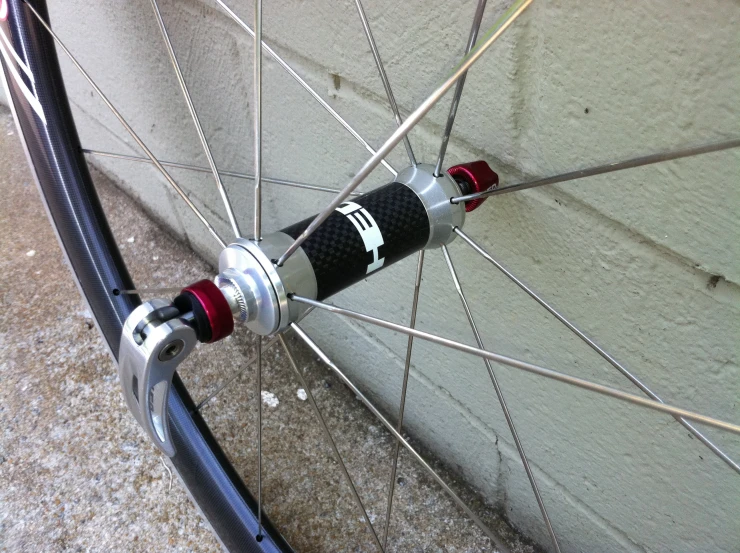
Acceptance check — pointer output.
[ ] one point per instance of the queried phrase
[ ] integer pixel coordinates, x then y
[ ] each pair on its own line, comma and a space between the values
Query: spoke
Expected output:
259, 437
477, 18
502, 401
502, 548
331, 441
525, 366
128, 128
258, 123
196, 120
404, 387
200, 169
223, 386
142, 291
593, 345
384, 77
608, 168
498, 28
305, 85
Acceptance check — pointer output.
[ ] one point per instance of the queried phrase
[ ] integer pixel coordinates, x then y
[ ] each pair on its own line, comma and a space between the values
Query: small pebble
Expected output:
269, 399
301, 393
31, 253
130, 240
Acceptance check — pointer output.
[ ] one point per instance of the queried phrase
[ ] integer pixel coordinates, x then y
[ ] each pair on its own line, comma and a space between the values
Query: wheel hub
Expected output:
362, 236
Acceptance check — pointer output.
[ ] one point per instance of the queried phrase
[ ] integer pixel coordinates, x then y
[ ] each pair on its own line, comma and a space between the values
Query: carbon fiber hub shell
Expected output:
337, 251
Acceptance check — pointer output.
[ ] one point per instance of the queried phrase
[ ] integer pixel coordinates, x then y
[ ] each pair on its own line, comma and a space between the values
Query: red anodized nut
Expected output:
478, 176
215, 306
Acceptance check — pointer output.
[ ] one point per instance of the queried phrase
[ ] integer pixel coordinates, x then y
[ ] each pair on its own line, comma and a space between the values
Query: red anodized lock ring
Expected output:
478, 177
215, 306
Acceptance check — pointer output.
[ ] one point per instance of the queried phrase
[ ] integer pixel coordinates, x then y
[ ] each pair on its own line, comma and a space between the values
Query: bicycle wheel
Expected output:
305, 263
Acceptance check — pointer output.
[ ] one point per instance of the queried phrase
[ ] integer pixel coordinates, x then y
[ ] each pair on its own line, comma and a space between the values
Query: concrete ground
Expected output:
76, 473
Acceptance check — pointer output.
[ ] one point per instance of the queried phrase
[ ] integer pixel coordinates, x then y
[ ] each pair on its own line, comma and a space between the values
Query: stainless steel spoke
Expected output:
498, 28
525, 366
500, 545
223, 386
330, 439
196, 120
128, 128
607, 168
598, 349
200, 169
140, 291
384, 77
258, 122
259, 437
404, 387
305, 85
477, 18
502, 401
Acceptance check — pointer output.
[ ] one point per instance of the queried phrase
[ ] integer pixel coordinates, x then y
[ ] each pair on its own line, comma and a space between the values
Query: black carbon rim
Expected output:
75, 212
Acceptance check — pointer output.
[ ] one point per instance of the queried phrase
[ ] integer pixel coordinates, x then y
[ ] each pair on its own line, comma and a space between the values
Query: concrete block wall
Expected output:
647, 261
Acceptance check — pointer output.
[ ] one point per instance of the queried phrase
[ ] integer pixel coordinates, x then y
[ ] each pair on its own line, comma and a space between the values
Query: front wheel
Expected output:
277, 270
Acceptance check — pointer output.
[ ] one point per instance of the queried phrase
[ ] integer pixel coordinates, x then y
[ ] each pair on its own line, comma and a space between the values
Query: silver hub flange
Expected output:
257, 290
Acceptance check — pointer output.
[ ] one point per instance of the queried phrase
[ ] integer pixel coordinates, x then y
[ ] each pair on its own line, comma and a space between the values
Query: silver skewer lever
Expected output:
155, 340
